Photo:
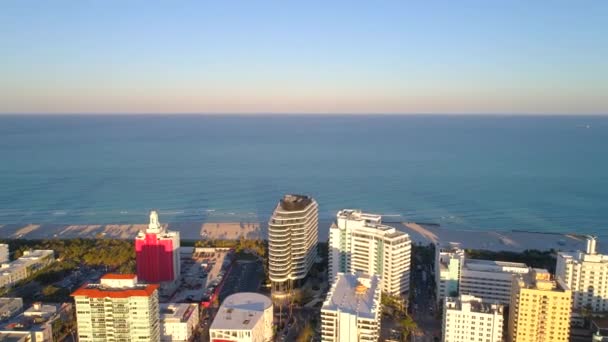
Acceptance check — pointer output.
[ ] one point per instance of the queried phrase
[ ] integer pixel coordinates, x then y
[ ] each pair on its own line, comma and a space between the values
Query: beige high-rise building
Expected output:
540, 308
117, 309
292, 242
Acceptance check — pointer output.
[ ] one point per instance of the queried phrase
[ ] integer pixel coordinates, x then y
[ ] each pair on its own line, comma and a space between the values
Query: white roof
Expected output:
241, 311
343, 295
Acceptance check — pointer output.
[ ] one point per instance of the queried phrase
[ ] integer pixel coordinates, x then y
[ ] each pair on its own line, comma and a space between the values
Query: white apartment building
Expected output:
449, 259
292, 241
243, 317
586, 274
29, 263
9, 307
178, 321
359, 242
467, 318
4, 257
117, 309
489, 280
351, 312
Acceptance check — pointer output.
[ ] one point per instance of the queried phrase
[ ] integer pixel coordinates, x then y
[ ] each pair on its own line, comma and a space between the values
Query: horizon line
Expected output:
291, 114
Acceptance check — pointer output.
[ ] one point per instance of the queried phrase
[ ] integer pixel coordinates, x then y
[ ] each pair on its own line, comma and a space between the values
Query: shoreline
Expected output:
420, 233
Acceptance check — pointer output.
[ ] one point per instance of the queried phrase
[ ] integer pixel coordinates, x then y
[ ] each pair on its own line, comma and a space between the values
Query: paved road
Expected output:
245, 276
423, 306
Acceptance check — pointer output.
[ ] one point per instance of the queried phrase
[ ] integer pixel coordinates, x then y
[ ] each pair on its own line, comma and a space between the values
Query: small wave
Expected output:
59, 213
174, 212
124, 212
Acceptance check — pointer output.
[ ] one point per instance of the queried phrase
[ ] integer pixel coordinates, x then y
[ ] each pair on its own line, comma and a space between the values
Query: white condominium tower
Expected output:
117, 309
359, 242
292, 241
586, 274
448, 264
467, 318
351, 311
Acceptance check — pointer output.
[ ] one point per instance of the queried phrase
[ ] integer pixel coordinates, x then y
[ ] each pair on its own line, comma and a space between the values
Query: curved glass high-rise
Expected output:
292, 241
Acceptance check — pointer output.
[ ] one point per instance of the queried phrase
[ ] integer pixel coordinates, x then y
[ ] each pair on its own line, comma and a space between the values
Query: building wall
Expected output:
127, 319
256, 334
156, 258
29, 263
4, 256
342, 326
355, 247
448, 264
537, 315
586, 275
460, 323
292, 244
489, 286
176, 329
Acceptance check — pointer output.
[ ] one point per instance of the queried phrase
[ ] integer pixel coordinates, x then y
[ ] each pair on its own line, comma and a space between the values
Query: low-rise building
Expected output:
351, 311
540, 308
467, 318
178, 321
34, 325
117, 309
489, 280
10, 307
29, 263
449, 259
243, 317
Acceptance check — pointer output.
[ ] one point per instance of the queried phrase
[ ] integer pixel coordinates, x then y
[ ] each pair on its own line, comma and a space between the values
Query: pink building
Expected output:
157, 252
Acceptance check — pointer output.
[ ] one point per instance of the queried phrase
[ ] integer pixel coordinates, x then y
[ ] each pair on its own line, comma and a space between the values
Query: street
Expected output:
423, 307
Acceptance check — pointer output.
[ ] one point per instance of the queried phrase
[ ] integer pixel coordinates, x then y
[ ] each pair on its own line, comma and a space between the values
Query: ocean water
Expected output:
477, 172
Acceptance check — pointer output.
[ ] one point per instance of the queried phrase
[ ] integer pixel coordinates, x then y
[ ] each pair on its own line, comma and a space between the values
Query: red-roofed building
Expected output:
117, 309
157, 251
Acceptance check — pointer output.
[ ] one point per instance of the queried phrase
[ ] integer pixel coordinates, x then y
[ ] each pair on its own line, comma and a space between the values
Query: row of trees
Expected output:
530, 257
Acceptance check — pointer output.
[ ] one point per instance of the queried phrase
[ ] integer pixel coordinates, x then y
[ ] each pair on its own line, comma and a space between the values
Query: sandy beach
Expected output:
515, 241
188, 230
419, 233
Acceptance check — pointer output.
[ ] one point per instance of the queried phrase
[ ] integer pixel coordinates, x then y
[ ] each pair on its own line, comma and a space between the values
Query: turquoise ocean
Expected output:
537, 173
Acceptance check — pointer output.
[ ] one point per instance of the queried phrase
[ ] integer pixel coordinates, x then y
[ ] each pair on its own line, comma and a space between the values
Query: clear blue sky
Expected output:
306, 57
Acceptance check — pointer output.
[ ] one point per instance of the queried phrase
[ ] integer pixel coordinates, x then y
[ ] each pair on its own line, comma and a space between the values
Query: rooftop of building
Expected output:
241, 311
472, 304
495, 266
14, 337
541, 279
28, 258
10, 301
294, 202
41, 310
116, 286
354, 294
34, 318
372, 221
449, 247
178, 312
